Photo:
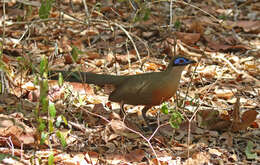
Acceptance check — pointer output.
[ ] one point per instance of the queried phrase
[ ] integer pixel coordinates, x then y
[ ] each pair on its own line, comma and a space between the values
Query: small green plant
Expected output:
223, 17
46, 107
45, 8
75, 52
4, 156
141, 9
62, 139
60, 80
176, 116
177, 24
249, 154
43, 103
51, 159
3, 67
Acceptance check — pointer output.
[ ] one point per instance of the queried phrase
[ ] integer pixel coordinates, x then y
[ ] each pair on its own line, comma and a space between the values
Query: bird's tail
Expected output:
87, 77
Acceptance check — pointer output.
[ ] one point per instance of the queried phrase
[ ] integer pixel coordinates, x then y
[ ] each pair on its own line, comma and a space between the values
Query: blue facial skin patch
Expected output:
181, 61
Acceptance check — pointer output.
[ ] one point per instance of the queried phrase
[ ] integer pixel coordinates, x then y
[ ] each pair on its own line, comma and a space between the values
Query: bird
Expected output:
148, 89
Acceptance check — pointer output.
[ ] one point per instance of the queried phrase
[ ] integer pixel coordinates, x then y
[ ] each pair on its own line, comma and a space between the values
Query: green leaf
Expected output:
45, 103
29, 11
249, 154
19, 59
80, 99
43, 95
121, 0
52, 110
223, 17
147, 14
43, 137
3, 156
36, 80
60, 81
60, 119
177, 24
42, 125
164, 109
44, 89
44, 67
75, 53
64, 120
51, 159
62, 139
45, 8
50, 125
176, 119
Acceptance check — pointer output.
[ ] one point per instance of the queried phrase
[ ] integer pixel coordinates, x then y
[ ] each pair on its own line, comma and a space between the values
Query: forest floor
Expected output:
213, 119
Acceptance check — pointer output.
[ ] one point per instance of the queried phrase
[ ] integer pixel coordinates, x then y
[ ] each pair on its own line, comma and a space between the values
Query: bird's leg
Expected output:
144, 110
122, 110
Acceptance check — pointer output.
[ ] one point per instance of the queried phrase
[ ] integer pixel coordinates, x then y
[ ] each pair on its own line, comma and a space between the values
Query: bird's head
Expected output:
180, 61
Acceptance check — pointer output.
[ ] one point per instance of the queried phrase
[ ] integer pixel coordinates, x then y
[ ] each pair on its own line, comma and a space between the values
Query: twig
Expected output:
9, 142
203, 11
171, 19
24, 33
85, 110
86, 8
130, 38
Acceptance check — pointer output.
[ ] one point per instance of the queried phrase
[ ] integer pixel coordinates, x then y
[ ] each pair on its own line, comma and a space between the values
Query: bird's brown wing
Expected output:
137, 90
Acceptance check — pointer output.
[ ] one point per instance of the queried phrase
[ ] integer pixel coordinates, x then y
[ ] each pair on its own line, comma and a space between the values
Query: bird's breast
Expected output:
164, 93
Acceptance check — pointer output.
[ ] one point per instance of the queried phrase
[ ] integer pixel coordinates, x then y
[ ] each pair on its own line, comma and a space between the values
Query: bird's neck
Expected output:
174, 72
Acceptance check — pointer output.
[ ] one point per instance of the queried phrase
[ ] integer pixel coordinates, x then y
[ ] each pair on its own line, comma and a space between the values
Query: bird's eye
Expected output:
181, 61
